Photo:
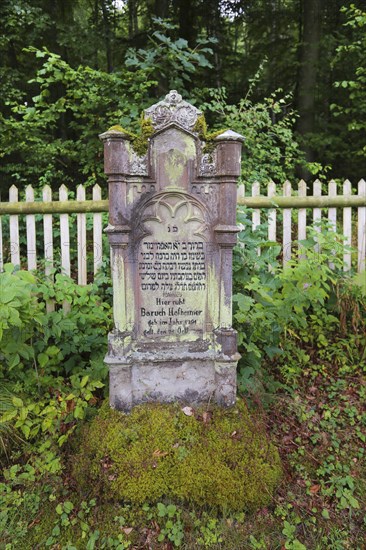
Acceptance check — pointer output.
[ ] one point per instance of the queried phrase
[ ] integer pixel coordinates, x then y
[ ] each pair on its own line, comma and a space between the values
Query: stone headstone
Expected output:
172, 230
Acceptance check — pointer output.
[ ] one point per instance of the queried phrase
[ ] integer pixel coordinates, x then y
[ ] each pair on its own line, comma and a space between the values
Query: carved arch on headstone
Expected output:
181, 208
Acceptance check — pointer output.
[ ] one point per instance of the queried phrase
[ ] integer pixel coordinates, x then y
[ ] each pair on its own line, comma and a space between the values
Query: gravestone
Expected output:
171, 230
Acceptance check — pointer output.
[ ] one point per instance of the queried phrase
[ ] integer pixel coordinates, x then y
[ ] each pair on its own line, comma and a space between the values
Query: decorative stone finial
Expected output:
173, 109
229, 135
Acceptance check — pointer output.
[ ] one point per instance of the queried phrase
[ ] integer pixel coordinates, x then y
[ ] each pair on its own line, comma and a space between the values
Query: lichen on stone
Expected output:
216, 457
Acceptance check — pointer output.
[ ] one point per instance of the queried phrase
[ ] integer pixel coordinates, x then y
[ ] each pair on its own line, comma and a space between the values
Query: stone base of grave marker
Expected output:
182, 375
172, 230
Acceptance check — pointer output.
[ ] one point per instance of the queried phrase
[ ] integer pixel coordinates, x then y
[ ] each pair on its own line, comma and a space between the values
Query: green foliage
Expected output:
9, 436
168, 60
172, 528
41, 345
219, 458
58, 127
353, 110
271, 303
271, 151
52, 362
21, 315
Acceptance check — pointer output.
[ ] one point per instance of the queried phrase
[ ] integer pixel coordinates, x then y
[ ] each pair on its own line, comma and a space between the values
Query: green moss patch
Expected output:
140, 142
208, 138
217, 457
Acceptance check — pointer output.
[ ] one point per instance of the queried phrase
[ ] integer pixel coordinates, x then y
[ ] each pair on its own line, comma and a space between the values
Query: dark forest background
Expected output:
289, 74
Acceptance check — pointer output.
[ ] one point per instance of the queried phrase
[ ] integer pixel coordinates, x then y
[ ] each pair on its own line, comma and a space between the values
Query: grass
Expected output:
319, 429
318, 423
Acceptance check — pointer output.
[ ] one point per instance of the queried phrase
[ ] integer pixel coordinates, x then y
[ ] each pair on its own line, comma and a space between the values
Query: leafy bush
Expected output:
44, 346
274, 308
219, 457
62, 121
52, 362
21, 315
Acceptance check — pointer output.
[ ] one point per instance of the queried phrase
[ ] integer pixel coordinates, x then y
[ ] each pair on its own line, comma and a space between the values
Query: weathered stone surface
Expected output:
172, 230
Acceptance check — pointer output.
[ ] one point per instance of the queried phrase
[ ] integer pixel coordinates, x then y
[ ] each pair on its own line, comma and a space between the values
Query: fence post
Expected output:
301, 222
14, 229
97, 231
361, 229
272, 214
347, 227
81, 225
287, 238
48, 232
332, 212
31, 231
64, 234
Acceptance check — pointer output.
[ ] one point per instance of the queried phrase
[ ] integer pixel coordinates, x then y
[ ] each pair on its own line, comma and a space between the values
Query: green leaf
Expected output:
7, 416
84, 381
17, 402
161, 509
79, 411
42, 360
68, 506
297, 545
26, 430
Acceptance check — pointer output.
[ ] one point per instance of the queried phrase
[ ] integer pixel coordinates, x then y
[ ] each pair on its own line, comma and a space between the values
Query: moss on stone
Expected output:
219, 458
208, 138
118, 128
201, 127
140, 141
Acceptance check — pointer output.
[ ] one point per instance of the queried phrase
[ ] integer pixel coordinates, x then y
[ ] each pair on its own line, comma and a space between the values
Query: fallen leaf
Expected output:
159, 453
314, 489
188, 411
127, 530
206, 416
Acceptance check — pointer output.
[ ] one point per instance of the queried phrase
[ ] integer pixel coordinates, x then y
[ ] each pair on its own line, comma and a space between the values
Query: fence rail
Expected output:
83, 246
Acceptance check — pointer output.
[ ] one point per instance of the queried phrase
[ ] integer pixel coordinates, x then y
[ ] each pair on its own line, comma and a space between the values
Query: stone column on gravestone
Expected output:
228, 153
116, 166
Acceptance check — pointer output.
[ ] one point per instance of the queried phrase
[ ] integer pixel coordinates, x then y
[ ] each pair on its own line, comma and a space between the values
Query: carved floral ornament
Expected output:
180, 208
173, 109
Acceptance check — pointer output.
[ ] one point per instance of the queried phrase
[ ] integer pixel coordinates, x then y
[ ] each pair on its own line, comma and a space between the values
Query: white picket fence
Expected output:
345, 212
11, 248
20, 240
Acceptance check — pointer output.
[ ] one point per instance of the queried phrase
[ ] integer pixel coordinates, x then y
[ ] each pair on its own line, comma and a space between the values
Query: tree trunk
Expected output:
107, 35
132, 19
308, 68
161, 9
186, 18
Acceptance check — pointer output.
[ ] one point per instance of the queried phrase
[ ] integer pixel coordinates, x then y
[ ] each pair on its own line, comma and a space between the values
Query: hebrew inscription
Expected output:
172, 271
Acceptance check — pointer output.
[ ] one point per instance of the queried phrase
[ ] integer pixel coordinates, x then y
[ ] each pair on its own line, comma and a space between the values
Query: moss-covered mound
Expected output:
218, 457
